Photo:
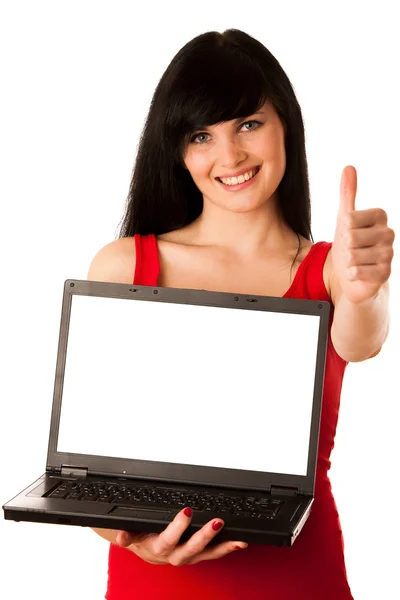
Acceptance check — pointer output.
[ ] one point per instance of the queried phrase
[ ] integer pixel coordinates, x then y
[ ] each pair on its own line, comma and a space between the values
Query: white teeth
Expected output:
240, 179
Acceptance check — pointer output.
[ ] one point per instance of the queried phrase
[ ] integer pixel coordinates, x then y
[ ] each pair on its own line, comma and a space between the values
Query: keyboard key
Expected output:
74, 495
59, 494
245, 506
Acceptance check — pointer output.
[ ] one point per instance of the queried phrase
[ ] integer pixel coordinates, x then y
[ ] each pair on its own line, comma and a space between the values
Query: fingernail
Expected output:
188, 512
217, 525
240, 547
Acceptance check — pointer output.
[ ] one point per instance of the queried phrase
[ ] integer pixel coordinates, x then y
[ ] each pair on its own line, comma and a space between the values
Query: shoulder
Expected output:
115, 262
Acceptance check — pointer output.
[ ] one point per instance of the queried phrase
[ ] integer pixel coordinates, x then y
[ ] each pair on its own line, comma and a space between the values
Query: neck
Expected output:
245, 234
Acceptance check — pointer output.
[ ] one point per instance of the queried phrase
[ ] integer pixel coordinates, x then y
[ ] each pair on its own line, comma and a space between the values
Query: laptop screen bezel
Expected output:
182, 473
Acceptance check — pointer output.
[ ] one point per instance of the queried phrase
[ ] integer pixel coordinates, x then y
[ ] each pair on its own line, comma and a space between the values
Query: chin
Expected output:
241, 205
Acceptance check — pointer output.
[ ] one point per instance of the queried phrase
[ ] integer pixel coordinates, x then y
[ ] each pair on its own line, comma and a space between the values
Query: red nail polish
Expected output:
238, 547
217, 525
188, 512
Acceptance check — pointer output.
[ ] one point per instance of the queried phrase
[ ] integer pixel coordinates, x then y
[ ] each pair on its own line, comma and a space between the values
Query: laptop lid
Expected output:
189, 386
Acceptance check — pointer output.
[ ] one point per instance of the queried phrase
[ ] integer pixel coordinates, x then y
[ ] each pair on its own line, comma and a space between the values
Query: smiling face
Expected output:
223, 150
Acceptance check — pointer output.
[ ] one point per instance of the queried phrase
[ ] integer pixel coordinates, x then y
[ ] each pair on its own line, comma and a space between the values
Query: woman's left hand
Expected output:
362, 250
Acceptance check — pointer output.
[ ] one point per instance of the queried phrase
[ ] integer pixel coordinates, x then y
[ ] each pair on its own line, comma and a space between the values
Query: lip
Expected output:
240, 186
237, 173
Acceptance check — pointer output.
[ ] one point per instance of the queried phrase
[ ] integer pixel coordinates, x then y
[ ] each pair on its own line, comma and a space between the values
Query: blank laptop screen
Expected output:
196, 385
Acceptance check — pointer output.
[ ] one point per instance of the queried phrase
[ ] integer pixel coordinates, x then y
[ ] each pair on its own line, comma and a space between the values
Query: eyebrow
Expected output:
260, 112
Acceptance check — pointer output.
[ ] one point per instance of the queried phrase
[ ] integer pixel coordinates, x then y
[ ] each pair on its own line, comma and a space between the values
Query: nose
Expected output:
229, 153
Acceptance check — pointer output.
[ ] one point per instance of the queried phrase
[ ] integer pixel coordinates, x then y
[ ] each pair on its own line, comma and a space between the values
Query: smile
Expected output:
240, 186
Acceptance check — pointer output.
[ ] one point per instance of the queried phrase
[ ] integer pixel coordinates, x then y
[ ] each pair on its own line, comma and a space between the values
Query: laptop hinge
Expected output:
283, 490
74, 471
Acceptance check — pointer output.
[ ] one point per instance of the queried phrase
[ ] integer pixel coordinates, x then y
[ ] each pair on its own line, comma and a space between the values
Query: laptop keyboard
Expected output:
222, 504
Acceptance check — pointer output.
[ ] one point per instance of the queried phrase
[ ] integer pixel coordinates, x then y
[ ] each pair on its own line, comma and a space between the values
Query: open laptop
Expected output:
166, 398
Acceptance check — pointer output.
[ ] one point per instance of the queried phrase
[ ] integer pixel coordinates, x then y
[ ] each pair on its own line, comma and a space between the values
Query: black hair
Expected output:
214, 78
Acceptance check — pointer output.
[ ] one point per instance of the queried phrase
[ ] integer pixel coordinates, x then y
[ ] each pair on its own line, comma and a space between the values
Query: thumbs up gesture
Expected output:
362, 249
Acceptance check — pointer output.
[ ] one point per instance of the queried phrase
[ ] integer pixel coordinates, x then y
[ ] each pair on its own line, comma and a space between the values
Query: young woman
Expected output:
219, 200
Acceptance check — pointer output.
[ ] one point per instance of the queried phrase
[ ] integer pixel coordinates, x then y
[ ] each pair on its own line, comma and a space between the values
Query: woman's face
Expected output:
222, 150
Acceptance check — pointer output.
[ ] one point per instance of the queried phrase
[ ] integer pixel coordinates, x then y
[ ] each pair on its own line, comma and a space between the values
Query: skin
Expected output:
239, 244
206, 253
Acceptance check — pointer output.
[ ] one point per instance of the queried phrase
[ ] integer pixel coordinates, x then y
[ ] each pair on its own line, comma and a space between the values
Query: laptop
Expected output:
166, 398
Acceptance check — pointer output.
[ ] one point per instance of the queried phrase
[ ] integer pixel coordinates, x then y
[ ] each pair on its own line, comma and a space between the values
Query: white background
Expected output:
77, 79
211, 356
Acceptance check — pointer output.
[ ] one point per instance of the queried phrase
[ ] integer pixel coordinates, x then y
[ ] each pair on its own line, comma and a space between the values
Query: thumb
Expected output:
124, 539
348, 190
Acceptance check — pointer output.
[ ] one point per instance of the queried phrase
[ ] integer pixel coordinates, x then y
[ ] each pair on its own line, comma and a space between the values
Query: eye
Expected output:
192, 140
197, 135
257, 123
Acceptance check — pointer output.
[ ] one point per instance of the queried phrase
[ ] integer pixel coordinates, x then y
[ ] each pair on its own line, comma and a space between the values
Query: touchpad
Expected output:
139, 513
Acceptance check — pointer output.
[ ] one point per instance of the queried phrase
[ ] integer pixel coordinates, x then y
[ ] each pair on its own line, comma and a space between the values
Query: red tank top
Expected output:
314, 567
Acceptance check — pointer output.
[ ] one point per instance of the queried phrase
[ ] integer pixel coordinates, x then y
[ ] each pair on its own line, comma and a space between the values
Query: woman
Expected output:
219, 200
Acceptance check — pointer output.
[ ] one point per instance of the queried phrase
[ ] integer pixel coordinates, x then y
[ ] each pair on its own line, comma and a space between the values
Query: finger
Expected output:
123, 538
371, 255
348, 190
365, 218
367, 236
376, 274
126, 538
196, 544
218, 551
166, 542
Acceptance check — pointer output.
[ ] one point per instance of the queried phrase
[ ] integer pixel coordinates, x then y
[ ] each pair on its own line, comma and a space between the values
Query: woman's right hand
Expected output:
163, 548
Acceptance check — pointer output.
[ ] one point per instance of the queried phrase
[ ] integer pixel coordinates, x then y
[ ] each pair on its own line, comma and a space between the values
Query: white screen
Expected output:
189, 384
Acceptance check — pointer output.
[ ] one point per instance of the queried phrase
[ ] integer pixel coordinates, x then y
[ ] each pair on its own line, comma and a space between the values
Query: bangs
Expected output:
214, 85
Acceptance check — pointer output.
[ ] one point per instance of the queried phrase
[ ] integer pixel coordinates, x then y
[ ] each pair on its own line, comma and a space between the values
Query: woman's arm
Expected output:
108, 534
359, 330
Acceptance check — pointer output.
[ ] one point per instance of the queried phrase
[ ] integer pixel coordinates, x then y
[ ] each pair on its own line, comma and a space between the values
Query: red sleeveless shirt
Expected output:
314, 567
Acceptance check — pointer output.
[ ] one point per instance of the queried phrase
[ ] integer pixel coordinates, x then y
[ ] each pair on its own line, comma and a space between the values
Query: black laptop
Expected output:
167, 398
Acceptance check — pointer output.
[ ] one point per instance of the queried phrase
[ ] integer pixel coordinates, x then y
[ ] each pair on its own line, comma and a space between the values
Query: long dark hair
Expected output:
214, 78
